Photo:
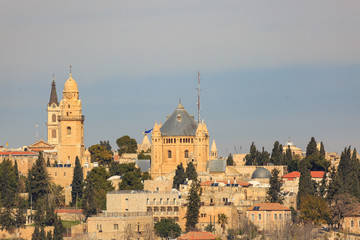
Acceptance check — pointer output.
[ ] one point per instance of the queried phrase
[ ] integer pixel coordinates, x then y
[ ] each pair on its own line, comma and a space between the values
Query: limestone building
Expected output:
53, 110
179, 140
65, 124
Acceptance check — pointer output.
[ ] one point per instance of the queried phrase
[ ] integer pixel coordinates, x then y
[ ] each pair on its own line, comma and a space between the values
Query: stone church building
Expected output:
179, 140
65, 125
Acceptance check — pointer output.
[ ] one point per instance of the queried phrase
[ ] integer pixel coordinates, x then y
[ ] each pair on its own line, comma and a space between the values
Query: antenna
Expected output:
37, 131
198, 103
70, 69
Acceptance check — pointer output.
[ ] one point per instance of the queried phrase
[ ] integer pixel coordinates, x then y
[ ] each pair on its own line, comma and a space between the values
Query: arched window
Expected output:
53, 133
68, 130
186, 153
69, 106
169, 154
53, 118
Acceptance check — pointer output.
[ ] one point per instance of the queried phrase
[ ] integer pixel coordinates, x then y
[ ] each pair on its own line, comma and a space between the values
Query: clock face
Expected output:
68, 95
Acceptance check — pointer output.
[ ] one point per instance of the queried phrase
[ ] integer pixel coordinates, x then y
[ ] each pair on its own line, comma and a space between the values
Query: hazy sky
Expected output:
269, 69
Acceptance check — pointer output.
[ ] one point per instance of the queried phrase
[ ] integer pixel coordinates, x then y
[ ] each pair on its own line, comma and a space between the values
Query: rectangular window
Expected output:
279, 216
116, 226
259, 216
252, 216
275, 216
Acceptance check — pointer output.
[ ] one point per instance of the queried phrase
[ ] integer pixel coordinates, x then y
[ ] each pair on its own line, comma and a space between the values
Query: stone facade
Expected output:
269, 216
71, 125
179, 140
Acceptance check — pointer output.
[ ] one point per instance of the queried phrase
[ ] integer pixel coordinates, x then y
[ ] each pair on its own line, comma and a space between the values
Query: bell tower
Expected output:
71, 125
53, 110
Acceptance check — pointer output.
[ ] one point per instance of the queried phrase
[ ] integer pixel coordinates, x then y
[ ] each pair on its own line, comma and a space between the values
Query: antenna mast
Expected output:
198, 103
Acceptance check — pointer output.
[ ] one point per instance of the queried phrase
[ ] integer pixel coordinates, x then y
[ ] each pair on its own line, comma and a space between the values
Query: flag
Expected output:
7, 144
148, 131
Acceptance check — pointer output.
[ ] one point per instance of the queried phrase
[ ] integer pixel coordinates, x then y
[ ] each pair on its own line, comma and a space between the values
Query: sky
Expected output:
270, 70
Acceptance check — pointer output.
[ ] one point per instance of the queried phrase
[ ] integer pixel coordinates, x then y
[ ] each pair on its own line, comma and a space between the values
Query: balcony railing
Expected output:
71, 118
124, 214
165, 213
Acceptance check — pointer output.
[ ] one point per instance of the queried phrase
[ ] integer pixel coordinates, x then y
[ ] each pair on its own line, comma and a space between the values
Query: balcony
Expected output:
71, 118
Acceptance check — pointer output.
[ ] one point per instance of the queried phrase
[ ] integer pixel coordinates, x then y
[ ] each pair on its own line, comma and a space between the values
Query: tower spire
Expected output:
53, 95
70, 71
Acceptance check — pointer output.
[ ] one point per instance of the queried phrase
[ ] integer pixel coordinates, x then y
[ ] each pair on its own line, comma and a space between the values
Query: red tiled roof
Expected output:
18, 153
68, 210
296, 174
241, 183
269, 207
317, 174
198, 236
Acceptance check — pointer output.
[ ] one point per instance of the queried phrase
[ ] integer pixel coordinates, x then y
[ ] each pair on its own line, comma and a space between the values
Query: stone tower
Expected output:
179, 140
213, 151
53, 110
71, 125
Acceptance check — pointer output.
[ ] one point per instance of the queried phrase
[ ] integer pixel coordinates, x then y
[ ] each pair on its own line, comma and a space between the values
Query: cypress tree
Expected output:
311, 147
77, 183
42, 234
322, 149
276, 154
58, 229
191, 173
8, 184
179, 177
48, 162
38, 181
36, 234
230, 160
274, 194
193, 206
305, 183
16, 170
88, 203
252, 156
323, 186
263, 157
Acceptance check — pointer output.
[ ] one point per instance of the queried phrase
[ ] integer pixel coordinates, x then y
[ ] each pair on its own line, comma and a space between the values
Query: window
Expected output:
279, 216
64, 173
169, 154
54, 118
252, 216
53, 133
116, 226
352, 223
69, 106
68, 130
259, 216
275, 216
186, 153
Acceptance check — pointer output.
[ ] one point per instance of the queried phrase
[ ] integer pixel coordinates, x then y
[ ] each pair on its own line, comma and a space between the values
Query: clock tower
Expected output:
71, 125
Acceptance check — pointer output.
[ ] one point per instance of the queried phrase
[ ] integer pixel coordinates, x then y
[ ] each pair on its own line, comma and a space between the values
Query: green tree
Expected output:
106, 144
311, 147
291, 162
322, 149
131, 180
274, 193
42, 234
7, 220
339, 206
191, 173
94, 195
36, 234
230, 160
180, 176
58, 229
222, 220
126, 145
38, 178
210, 228
276, 154
314, 209
8, 184
77, 183
167, 228
305, 183
48, 163
263, 158
193, 206
16, 170
142, 155
100, 154
250, 159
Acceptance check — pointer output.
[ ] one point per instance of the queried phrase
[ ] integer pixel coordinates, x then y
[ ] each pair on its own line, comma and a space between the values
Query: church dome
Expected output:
70, 85
261, 173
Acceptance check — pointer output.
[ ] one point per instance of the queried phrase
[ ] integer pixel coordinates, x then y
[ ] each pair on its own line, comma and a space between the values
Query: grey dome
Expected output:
261, 173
